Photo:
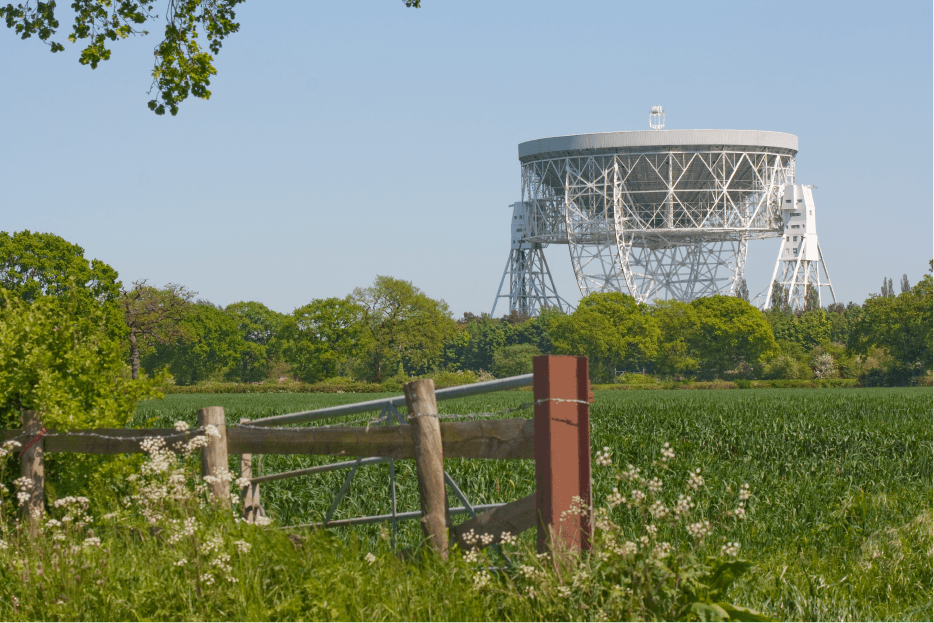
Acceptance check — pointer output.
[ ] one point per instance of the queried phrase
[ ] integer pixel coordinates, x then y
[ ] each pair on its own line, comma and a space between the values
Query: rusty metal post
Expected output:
562, 452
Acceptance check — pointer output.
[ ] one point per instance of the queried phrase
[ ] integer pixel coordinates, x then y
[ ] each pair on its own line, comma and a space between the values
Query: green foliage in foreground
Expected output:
842, 481
58, 356
168, 551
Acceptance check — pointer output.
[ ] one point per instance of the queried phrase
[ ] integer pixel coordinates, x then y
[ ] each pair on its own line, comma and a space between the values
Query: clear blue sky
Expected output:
346, 140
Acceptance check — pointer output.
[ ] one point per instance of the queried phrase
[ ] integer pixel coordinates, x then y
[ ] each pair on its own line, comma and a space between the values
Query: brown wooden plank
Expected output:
481, 439
487, 439
121, 440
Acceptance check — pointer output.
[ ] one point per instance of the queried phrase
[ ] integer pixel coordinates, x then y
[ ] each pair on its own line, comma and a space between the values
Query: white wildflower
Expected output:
507, 538
481, 580
604, 458
181, 426
667, 452
683, 506
662, 550
695, 480
370, 558
730, 549
699, 530
615, 499
243, 547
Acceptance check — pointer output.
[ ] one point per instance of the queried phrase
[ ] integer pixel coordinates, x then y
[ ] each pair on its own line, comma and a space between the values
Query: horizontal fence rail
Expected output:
482, 439
462, 391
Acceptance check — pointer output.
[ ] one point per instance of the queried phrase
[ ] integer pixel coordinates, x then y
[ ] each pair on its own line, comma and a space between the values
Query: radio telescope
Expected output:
658, 214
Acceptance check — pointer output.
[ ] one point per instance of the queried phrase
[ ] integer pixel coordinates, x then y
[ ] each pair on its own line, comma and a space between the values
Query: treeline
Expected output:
391, 331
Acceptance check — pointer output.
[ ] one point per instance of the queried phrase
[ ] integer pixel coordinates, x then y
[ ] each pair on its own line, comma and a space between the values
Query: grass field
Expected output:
839, 525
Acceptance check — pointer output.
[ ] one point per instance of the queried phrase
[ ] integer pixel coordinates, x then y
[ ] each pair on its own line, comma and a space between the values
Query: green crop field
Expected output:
839, 526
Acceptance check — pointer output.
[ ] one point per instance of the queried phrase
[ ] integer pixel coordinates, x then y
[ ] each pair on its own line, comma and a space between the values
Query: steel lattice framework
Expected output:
663, 214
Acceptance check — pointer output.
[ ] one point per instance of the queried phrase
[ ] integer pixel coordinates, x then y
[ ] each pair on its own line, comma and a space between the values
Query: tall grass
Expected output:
843, 482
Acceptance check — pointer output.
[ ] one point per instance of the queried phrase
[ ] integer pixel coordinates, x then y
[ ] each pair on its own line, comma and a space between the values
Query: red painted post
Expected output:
562, 451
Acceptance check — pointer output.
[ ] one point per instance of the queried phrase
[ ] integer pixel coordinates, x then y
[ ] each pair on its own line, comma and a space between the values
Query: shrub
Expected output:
514, 360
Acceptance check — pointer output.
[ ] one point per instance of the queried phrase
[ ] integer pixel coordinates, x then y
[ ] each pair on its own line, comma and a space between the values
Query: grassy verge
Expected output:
838, 525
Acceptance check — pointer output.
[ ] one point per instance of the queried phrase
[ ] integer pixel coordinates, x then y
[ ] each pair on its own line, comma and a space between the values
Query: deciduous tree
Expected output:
610, 329
408, 328
259, 329
182, 67
730, 332
319, 339
58, 357
211, 345
34, 265
677, 323
153, 316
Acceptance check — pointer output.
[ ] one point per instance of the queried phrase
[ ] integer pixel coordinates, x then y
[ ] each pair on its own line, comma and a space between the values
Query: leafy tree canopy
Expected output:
610, 329
409, 329
730, 331
182, 67
58, 357
321, 338
677, 323
35, 265
901, 324
212, 345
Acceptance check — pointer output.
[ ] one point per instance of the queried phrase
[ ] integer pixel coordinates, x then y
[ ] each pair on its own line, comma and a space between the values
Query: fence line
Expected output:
558, 439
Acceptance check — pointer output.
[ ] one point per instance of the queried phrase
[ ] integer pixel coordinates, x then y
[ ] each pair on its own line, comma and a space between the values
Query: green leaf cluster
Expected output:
59, 357
182, 66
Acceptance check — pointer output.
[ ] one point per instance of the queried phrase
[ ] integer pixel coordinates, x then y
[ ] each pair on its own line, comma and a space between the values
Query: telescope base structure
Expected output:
531, 287
800, 264
681, 272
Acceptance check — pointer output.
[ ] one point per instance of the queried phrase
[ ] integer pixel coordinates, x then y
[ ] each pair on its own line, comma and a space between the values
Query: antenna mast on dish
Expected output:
657, 118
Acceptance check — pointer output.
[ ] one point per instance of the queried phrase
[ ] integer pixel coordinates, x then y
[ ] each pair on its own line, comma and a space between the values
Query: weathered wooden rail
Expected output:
558, 439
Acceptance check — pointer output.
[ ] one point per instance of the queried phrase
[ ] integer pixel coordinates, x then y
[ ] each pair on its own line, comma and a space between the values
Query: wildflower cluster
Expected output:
648, 545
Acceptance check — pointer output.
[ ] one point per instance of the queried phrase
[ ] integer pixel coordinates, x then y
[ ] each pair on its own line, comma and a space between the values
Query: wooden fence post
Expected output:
429, 461
214, 455
33, 467
562, 452
249, 467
